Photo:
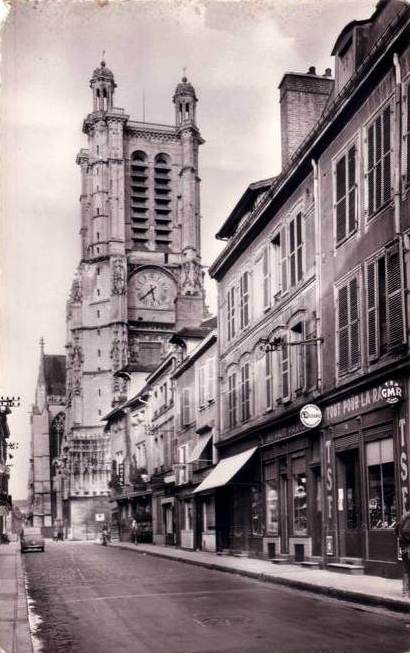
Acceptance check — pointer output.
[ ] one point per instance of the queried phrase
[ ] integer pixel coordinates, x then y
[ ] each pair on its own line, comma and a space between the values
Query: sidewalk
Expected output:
368, 590
14, 625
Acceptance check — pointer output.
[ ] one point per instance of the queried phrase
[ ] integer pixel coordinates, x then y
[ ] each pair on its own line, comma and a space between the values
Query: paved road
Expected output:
95, 599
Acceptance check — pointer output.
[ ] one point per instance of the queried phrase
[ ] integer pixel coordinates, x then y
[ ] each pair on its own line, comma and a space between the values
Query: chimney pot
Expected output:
328, 72
312, 70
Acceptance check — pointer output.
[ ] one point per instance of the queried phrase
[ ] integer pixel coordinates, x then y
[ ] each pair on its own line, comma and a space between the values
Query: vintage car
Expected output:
31, 538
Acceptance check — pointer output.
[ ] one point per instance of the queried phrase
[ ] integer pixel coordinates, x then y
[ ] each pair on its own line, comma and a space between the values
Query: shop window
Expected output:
345, 200
348, 327
385, 303
381, 484
272, 506
209, 514
188, 515
379, 161
256, 508
299, 503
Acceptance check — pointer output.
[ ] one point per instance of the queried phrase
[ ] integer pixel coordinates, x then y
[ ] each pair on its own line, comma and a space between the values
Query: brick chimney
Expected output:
302, 100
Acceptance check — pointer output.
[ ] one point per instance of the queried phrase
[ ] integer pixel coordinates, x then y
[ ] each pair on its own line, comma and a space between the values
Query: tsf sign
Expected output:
404, 467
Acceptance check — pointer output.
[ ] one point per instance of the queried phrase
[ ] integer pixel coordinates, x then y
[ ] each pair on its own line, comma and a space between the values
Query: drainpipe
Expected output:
397, 143
318, 265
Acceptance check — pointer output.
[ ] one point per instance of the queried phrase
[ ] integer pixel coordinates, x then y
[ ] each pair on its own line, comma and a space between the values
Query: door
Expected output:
317, 512
349, 504
284, 511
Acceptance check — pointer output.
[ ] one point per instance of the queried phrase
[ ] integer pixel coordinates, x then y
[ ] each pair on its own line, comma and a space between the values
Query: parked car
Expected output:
31, 538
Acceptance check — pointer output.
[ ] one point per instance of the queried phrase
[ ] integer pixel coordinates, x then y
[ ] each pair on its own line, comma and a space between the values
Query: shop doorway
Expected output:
349, 504
317, 511
168, 523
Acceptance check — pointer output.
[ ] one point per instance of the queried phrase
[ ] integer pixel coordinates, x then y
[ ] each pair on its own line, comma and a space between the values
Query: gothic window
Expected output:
163, 199
139, 198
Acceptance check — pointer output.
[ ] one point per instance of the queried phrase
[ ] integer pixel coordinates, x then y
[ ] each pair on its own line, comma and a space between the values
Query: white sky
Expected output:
235, 53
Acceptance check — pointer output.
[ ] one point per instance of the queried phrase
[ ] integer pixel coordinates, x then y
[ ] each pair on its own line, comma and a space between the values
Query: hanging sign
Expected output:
310, 416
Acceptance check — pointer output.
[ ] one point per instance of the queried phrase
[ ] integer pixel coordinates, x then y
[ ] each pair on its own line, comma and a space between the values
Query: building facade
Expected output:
313, 309
5, 498
47, 431
139, 279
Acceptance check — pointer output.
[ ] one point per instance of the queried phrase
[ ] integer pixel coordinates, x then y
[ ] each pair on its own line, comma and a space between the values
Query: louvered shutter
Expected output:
408, 134
258, 285
268, 379
341, 199
228, 315
343, 329
233, 312
186, 406
201, 386
370, 168
299, 247
386, 156
354, 323
311, 357
292, 253
266, 279
283, 260
372, 326
378, 161
210, 379
395, 297
285, 370
351, 188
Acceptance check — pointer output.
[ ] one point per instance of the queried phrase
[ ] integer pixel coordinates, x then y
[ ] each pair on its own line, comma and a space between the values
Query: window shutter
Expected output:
311, 357
233, 311
232, 399
285, 370
408, 133
283, 260
211, 379
244, 292
351, 188
292, 253
258, 285
372, 327
186, 406
266, 279
201, 384
228, 315
341, 199
386, 156
354, 323
370, 166
299, 247
395, 297
378, 157
268, 379
343, 329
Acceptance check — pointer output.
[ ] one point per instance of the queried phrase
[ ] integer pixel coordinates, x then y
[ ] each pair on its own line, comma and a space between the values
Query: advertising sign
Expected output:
99, 516
310, 416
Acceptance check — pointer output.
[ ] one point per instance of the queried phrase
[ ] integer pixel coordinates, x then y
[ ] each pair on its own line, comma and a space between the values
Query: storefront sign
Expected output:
404, 467
357, 403
99, 516
392, 392
310, 416
329, 480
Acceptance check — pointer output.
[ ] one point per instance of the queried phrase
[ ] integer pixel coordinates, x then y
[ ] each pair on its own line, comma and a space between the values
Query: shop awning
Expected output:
225, 470
200, 446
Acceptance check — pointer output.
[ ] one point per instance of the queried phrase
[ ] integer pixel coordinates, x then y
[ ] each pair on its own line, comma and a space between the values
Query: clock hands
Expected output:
149, 292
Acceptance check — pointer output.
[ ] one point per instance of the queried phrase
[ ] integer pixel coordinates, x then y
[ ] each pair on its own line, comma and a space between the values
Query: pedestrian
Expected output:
134, 530
60, 533
55, 533
403, 533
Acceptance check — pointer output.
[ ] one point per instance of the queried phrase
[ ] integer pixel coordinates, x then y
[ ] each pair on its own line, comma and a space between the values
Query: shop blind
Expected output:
347, 442
271, 471
299, 465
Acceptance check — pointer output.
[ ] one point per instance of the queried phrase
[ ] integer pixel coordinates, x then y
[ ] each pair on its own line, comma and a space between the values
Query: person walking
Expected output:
134, 531
403, 534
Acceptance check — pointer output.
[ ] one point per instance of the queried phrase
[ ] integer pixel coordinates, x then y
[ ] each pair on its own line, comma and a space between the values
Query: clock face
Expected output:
154, 289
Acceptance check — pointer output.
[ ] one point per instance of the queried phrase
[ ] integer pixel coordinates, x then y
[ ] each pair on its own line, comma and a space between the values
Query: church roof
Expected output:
55, 374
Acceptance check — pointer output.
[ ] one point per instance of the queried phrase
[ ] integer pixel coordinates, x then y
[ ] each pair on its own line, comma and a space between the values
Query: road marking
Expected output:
161, 594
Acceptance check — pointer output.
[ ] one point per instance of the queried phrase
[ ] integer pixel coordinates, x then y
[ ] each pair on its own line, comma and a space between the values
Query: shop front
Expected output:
365, 448
292, 481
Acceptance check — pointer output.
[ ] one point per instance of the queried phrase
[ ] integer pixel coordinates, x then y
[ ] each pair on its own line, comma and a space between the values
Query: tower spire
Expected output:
185, 102
103, 85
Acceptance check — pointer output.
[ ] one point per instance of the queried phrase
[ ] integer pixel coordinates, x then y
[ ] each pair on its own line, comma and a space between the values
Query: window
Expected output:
231, 313
98, 292
268, 379
182, 467
271, 499
381, 484
98, 352
201, 386
276, 267
244, 300
295, 250
99, 392
98, 271
297, 358
210, 380
346, 203
188, 516
209, 513
245, 392
348, 329
262, 283
378, 162
232, 393
385, 303
285, 370
186, 406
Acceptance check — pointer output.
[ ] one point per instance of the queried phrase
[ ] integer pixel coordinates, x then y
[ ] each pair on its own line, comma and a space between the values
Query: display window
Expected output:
381, 484
299, 503
272, 506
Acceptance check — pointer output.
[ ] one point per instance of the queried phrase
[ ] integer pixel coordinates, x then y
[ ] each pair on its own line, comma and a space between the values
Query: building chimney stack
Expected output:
303, 97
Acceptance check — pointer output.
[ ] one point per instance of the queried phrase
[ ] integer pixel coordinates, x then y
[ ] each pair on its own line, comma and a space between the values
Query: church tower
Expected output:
139, 278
